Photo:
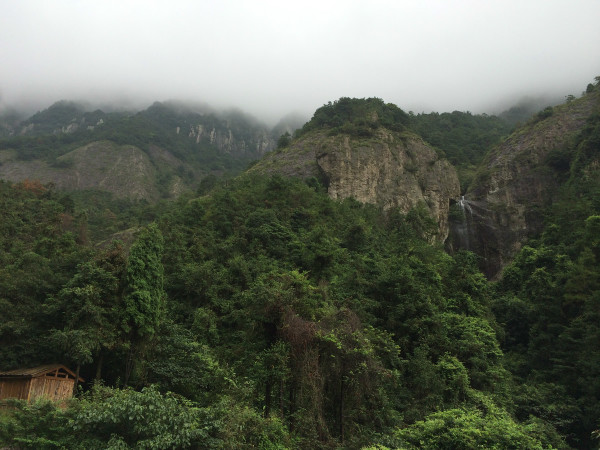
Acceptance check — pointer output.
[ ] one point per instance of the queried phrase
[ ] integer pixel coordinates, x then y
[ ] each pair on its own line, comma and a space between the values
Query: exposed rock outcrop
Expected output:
515, 183
390, 169
227, 141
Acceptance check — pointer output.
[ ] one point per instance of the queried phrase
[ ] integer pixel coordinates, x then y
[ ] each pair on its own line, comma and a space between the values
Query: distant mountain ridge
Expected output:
231, 131
192, 144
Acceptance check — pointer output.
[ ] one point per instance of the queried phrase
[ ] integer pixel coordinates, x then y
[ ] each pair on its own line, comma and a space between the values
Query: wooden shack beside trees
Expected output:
52, 382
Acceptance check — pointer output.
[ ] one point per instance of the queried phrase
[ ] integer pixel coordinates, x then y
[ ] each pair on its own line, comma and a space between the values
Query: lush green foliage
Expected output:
304, 321
465, 429
547, 304
39, 253
113, 419
88, 307
464, 138
144, 296
359, 117
262, 314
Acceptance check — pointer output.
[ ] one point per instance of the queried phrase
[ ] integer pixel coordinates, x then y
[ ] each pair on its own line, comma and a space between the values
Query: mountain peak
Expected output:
358, 117
357, 150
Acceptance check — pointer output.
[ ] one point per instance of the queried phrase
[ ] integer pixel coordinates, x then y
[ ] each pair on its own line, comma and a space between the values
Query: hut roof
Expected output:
38, 371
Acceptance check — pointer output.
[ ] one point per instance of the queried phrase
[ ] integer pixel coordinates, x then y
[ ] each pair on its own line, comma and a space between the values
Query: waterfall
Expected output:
465, 206
462, 227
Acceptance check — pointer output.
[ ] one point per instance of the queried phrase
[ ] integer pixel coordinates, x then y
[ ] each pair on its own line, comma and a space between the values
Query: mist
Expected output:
270, 58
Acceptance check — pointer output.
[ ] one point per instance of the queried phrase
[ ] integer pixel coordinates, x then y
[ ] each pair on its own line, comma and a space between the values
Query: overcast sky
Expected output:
273, 57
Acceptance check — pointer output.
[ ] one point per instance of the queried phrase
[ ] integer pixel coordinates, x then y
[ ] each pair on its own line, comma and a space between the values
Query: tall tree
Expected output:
88, 307
144, 298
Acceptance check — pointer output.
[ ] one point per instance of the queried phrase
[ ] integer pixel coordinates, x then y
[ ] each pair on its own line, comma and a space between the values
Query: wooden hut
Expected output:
53, 382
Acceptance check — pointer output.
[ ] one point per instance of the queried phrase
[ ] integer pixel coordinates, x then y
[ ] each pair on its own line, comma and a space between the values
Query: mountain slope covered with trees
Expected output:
258, 312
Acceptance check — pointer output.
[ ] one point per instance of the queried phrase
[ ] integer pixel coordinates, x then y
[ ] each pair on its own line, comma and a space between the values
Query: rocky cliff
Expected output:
518, 180
228, 141
390, 169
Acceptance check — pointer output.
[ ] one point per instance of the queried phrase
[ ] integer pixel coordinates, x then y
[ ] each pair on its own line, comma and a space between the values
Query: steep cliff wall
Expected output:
518, 180
390, 169
254, 142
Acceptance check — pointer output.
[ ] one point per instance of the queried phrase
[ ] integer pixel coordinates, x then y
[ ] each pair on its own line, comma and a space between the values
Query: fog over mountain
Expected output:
270, 57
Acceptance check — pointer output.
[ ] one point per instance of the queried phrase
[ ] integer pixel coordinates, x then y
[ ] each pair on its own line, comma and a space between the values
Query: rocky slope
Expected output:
155, 153
123, 170
390, 169
518, 179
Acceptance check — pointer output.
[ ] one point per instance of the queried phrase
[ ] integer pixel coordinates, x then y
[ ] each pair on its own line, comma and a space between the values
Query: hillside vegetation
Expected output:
258, 312
316, 321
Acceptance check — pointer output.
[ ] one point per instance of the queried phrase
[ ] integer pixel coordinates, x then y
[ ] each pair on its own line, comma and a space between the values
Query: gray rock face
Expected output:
389, 169
515, 184
257, 142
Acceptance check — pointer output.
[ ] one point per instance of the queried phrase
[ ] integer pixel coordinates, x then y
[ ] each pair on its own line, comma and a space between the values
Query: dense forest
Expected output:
256, 312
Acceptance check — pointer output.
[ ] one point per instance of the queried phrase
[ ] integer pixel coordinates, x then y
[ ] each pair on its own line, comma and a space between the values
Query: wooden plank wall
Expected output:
52, 388
14, 389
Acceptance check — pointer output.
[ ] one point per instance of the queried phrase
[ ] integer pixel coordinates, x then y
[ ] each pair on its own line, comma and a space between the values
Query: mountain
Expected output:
363, 149
275, 310
520, 179
155, 153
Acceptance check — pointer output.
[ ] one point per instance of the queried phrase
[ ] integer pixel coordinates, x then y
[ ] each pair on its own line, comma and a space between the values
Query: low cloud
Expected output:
270, 57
